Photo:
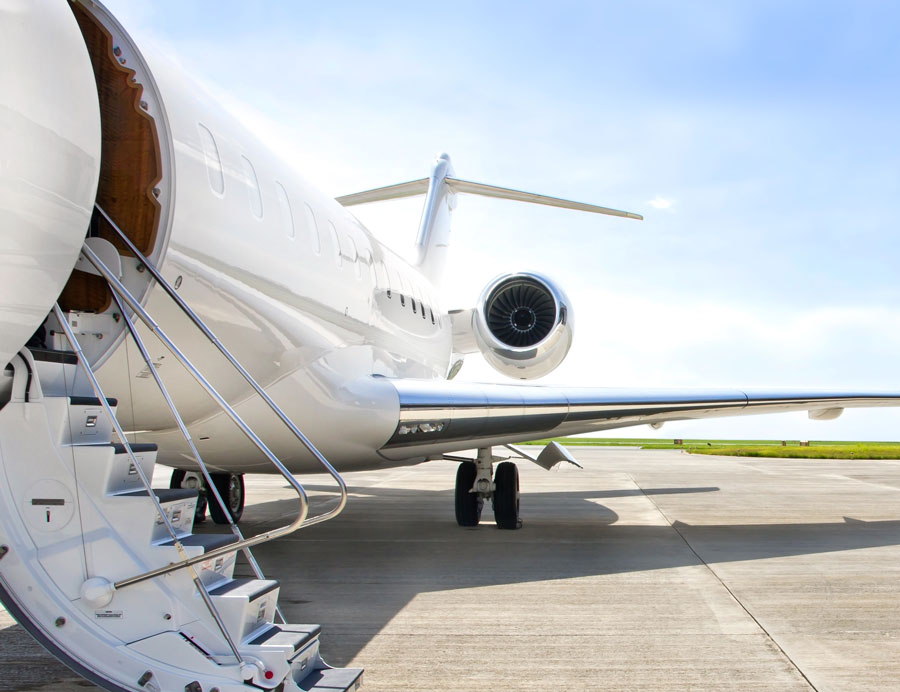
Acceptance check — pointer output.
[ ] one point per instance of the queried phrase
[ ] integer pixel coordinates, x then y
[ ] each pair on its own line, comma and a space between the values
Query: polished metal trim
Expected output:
485, 411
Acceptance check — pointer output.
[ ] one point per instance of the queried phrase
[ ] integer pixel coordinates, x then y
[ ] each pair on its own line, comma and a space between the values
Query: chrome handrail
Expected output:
133, 303
98, 392
246, 375
211, 486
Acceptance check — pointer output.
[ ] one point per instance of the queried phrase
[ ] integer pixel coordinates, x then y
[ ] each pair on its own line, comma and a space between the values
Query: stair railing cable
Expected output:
133, 303
186, 562
139, 342
342, 486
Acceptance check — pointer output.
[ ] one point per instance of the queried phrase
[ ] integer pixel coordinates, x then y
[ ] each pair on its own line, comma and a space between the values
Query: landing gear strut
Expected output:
477, 482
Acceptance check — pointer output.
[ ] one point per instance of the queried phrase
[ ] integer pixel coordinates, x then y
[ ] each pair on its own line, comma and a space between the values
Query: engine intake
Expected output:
523, 325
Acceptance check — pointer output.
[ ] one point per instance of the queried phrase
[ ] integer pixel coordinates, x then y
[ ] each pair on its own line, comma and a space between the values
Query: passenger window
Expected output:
213, 162
337, 245
284, 209
253, 188
314, 229
349, 249
370, 263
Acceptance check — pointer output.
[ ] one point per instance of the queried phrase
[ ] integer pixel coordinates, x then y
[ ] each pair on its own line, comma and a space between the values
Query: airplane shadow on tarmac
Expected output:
356, 573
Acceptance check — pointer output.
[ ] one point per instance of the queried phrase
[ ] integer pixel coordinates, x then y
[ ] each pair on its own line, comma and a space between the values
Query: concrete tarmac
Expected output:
647, 570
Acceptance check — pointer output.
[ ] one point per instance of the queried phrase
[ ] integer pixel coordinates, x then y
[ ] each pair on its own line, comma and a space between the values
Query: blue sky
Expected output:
759, 139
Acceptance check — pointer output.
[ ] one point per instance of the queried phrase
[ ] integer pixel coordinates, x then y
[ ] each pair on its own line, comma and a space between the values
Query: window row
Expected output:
343, 246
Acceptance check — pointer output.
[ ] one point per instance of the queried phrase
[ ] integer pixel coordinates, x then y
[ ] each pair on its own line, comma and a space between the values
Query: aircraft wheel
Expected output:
177, 481
506, 496
468, 505
231, 488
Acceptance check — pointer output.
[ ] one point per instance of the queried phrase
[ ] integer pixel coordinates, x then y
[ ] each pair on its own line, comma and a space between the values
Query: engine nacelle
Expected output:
523, 325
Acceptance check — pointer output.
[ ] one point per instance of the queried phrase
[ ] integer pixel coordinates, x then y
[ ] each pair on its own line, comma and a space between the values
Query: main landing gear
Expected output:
476, 482
230, 487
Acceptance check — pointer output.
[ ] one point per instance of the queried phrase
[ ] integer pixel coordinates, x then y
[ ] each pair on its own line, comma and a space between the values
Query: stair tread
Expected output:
91, 401
331, 680
294, 636
207, 541
164, 494
52, 355
251, 589
136, 447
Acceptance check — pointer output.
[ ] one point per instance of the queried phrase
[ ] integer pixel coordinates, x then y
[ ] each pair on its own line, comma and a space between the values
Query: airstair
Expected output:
103, 569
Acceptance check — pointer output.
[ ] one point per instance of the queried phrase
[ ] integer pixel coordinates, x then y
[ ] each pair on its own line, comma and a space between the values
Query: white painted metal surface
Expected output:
49, 161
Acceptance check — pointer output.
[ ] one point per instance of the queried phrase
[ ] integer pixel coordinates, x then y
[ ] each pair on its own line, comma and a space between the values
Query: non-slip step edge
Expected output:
294, 636
332, 680
49, 355
251, 589
91, 401
207, 541
136, 447
164, 494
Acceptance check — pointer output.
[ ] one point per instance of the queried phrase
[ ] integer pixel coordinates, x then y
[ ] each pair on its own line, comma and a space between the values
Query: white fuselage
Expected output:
294, 286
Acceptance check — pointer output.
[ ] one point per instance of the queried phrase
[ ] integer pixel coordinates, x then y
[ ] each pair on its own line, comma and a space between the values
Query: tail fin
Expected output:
434, 226
440, 188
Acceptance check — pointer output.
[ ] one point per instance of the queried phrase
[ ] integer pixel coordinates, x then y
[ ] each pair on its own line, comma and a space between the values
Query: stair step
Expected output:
91, 401
51, 355
292, 637
332, 680
213, 571
207, 541
164, 495
245, 604
136, 447
250, 589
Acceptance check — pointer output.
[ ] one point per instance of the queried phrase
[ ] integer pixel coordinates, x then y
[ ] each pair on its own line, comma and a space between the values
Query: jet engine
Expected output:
523, 325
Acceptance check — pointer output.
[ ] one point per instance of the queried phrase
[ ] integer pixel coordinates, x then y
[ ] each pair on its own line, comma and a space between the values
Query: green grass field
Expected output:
780, 449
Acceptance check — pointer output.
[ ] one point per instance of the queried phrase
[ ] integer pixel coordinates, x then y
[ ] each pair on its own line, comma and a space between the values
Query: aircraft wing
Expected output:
443, 416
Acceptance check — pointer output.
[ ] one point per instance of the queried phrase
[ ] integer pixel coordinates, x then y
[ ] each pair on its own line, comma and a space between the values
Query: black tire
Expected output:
468, 505
231, 488
176, 480
506, 496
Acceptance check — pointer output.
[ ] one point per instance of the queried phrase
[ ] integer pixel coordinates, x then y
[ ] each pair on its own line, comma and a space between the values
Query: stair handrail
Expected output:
211, 486
186, 562
207, 332
135, 305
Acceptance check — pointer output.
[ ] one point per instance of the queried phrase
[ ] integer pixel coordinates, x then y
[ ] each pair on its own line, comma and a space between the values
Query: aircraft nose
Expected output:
49, 160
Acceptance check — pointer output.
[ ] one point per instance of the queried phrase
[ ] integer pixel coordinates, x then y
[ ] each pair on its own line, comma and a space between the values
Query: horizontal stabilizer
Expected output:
471, 188
380, 194
420, 187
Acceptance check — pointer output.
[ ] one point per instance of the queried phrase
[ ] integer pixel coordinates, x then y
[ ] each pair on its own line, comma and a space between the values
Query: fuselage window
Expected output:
337, 246
284, 208
213, 162
381, 279
371, 262
253, 188
313, 228
353, 255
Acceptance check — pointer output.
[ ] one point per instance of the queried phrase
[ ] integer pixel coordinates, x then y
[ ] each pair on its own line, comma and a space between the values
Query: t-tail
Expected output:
440, 190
